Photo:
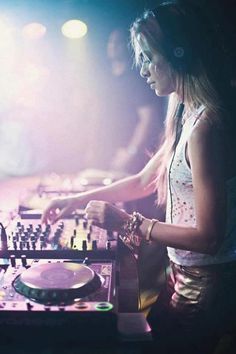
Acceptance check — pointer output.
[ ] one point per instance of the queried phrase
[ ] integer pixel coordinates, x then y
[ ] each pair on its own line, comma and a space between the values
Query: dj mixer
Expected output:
73, 238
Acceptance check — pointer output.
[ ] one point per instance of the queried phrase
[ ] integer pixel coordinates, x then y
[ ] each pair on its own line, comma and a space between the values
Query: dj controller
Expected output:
60, 278
58, 296
63, 280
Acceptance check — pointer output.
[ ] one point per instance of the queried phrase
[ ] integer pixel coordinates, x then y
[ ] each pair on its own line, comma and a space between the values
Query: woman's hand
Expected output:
106, 215
57, 209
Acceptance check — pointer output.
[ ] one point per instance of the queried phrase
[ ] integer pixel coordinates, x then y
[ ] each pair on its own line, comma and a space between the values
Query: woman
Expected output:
181, 55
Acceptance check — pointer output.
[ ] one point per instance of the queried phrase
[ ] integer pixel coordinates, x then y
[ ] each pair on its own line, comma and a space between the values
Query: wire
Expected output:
178, 117
170, 191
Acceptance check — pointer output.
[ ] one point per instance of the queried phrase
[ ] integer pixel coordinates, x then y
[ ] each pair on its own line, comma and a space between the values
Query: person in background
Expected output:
127, 127
141, 114
181, 55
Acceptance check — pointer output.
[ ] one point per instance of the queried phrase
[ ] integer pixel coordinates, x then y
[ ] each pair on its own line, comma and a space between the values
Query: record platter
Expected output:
57, 283
66, 299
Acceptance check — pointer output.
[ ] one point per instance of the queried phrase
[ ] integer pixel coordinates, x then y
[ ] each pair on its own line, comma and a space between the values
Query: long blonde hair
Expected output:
195, 78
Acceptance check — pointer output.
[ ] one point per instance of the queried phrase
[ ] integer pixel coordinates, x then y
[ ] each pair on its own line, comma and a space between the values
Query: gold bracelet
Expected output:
149, 230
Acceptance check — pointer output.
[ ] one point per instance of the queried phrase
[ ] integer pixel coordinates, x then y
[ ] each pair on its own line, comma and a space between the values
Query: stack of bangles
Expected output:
130, 228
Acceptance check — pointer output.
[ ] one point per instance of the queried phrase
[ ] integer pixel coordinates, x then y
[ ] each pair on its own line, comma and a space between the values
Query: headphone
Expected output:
178, 52
175, 48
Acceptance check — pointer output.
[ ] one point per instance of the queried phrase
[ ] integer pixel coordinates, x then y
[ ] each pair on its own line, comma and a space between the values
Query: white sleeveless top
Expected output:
180, 208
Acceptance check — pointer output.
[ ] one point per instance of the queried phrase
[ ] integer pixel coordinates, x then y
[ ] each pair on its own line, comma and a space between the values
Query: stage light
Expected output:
34, 30
74, 29
7, 35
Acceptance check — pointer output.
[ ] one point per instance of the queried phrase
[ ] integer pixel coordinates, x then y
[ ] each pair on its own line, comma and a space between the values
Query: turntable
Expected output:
63, 299
57, 283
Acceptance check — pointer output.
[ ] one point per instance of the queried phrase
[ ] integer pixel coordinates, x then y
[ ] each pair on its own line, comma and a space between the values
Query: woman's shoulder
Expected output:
209, 120
211, 136
208, 128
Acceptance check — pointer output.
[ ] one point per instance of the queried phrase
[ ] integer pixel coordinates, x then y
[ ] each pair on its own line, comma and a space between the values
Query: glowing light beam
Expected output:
74, 29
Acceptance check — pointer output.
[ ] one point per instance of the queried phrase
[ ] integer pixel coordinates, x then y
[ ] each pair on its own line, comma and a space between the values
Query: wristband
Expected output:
148, 237
132, 225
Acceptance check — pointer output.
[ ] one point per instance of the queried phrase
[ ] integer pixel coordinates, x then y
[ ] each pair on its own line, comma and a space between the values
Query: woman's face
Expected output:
156, 70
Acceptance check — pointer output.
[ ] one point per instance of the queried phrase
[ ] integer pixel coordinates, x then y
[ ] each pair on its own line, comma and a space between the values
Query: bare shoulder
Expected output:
207, 130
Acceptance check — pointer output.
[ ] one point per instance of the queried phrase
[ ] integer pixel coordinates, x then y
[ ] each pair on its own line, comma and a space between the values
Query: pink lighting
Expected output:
34, 30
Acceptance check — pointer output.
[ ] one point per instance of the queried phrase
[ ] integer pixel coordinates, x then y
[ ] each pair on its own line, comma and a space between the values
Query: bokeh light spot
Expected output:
34, 30
74, 29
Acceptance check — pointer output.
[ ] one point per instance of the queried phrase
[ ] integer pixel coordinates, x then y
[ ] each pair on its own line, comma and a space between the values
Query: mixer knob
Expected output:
38, 228
72, 241
57, 235
15, 245
89, 236
13, 260
85, 224
45, 233
32, 238
28, 230
42, 237
108, 245
76, 220
37, 231
24, 260
61, 225
22, 238
48, 227
84, 245
94, 245
28, 245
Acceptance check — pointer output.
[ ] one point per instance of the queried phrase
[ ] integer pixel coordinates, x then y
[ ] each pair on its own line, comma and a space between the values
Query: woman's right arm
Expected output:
133, 187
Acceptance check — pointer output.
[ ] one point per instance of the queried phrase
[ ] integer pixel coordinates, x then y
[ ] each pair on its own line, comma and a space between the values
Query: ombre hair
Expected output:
168, 28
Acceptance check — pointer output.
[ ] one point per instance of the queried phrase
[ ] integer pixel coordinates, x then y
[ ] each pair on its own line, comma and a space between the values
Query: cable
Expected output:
178, 117
170, 191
